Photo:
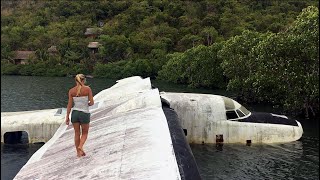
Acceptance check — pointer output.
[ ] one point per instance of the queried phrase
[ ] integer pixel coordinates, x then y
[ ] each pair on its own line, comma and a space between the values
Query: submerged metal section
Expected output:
187, 165
40, 125
204, 116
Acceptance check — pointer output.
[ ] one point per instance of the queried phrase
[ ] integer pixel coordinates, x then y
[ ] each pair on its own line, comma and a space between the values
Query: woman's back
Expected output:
81, 100
84, 91
81, 103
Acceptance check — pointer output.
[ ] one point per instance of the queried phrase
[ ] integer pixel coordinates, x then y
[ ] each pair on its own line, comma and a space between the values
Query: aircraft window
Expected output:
231, 115
229, 104
240, 113
244, 110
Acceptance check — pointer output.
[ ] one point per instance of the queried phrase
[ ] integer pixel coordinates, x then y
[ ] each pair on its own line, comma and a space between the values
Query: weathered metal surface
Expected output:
128, 139
186, 162
204, 117
40, 125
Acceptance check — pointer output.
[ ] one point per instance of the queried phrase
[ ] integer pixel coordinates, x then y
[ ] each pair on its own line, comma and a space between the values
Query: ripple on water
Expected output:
13, 156
274, 161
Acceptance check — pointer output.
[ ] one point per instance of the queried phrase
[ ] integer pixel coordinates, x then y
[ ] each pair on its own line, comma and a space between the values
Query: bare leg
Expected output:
84, 135
76, 127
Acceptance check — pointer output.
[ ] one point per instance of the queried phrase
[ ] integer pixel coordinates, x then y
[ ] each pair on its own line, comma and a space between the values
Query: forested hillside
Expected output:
267, 50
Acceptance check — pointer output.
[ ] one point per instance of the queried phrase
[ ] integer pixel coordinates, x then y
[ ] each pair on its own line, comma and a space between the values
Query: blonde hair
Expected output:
79, 79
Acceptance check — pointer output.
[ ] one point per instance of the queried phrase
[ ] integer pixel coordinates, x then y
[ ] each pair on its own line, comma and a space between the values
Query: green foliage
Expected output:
210, 34
77, 69
58, 70
197, 67
239, 63
9, 68
189, 41
174, 69
132, 29
122, 69
281, 68
290, 63
6, 53
268, 55
40, 69
26, 70
114, 48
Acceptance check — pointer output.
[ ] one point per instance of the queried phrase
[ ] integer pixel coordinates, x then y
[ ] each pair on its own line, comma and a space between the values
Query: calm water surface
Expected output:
296, 160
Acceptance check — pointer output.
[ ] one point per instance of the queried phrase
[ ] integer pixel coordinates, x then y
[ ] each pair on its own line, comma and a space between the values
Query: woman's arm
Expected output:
70, 101
91, 102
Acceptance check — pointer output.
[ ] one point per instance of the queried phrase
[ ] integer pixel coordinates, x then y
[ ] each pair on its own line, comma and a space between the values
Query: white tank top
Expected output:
81, 103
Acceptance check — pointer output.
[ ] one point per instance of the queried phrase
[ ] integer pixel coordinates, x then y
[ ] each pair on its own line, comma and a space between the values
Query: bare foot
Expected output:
79, 154
81, 151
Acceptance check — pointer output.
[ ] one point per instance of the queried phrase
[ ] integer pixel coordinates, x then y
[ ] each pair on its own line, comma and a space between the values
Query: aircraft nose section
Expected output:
282, 119
299, 130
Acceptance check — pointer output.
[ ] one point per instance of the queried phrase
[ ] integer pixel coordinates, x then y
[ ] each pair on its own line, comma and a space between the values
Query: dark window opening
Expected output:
41, 143
219, 138
185, 132
248, 143
231, 115
16, 137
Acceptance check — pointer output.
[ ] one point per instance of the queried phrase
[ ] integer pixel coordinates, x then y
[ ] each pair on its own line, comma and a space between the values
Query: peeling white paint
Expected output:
40, 125
128, 138
204, 117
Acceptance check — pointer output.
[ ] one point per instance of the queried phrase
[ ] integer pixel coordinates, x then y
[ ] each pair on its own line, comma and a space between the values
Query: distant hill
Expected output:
137, 29
266, 50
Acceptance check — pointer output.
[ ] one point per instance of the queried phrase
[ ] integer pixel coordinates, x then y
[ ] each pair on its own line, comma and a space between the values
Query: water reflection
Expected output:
13, 157
263, 161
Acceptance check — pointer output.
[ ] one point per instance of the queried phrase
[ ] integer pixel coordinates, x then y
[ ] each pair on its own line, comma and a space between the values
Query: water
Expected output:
296, 160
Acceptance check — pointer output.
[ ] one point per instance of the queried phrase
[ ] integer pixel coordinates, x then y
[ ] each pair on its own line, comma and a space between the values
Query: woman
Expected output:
82, 97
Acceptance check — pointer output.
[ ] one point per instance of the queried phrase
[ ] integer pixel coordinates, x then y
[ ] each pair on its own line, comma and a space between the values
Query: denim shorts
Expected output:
80, 117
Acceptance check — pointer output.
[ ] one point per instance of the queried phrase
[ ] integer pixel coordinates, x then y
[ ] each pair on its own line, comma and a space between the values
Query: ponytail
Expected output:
79, 78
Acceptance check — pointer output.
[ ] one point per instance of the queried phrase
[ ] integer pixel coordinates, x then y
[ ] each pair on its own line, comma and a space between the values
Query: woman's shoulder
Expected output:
85, 90
87, 87
72, 91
